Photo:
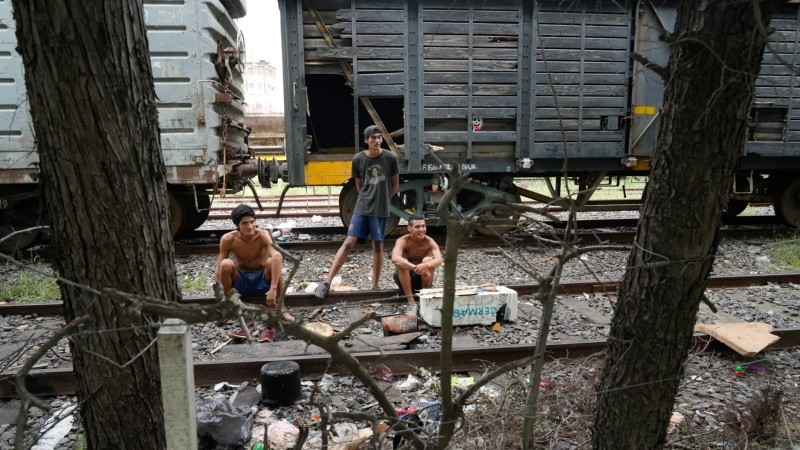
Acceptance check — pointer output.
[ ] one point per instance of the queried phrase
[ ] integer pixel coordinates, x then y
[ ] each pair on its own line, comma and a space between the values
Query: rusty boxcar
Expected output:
508, 89
194, 51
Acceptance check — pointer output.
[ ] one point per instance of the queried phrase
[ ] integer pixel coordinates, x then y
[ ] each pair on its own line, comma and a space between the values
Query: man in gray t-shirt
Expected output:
377, 176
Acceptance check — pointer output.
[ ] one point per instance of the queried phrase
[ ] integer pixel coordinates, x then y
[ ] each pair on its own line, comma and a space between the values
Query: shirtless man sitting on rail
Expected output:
416, 257
256, 263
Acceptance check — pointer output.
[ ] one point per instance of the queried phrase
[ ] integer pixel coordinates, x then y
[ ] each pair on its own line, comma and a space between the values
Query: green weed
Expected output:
786, 255
197, 282
31, 287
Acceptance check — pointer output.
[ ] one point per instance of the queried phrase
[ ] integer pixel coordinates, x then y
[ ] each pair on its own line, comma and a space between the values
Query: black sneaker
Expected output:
322, 291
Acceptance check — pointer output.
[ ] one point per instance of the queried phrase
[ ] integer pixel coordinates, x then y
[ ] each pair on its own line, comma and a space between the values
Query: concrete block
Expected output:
472, 305
177, 384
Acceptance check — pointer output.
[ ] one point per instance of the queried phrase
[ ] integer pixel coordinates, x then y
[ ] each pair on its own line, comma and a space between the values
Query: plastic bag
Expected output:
225, 424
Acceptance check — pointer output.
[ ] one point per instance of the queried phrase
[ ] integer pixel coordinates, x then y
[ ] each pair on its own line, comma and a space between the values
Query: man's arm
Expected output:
358, 184
395, 184
224, 252
436, 255
275, 266
397, 256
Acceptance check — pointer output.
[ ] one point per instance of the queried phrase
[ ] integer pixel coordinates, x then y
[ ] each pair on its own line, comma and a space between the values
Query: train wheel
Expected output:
195, 218
177, 214
500, 224
787, 203
734, 208
347, 204
19, 209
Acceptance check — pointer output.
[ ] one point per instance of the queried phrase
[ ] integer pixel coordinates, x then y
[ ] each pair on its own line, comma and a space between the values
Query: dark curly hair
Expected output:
240, 211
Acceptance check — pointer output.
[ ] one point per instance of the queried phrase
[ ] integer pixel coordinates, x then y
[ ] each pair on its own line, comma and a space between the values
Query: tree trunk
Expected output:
716, 52
90, 88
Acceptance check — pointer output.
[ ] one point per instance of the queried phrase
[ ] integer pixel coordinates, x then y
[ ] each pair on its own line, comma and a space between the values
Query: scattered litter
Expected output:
304, 237
429, 410
310, 287
381, 372
57, 426
282, 435
497, 327
746, 338
222, 422
336, 281
410, 383
220, 386
316, 218
491, 391
461, 382
544, 383
320, 327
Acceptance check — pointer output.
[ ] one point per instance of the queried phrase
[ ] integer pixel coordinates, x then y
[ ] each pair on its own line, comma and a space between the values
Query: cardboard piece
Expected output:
745, 338
472, 305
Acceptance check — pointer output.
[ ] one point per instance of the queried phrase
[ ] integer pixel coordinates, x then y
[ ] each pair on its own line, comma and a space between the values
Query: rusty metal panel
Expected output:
199, 110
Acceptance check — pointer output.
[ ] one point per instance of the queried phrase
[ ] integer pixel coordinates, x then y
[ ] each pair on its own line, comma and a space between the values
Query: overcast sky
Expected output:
262, 32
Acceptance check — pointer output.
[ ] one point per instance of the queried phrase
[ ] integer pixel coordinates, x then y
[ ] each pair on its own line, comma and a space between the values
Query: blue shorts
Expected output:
251, 284
362, 226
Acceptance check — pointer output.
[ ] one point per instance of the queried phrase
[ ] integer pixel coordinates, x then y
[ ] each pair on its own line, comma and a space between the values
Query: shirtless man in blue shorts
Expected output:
256, 263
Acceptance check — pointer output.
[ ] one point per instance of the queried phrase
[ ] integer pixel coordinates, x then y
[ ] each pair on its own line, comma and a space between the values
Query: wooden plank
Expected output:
461, 101
477, 77
393, 14
463, 15
585, 149
572, 112
447, 65
547, 102
476, 53
572, 136
486, 113
576, 30
463, 4
612, 43
745, 338
461, 136
377, 79
476, 89
557, 54
615, 67
615, 18
460, 40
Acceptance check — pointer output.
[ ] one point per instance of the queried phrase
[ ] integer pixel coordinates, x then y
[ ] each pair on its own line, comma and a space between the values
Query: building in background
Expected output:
263, 89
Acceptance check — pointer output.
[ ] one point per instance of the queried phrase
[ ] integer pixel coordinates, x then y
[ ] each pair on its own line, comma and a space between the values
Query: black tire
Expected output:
734, 208
347, 203
177, 214
195, 218
787, 203
20, 208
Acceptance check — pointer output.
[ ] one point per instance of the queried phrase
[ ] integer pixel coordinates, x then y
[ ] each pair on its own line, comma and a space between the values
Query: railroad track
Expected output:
302, 299
54, 382
593, 236
61, 381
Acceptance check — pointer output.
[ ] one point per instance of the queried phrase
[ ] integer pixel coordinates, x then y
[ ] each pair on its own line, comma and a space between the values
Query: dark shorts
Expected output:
252, 283
362, 227
416, 282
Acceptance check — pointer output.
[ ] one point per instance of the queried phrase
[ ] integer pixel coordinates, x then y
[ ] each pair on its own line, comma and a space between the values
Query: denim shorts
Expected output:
362, 226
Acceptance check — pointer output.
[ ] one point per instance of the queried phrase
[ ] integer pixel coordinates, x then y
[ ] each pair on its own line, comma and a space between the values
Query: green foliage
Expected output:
31, 287
81, 441
786, 255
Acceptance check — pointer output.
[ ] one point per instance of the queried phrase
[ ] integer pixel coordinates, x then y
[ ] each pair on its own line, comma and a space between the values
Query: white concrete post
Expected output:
177, 384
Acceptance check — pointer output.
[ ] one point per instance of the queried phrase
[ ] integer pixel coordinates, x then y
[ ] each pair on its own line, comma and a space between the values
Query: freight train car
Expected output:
195, 51
508, 89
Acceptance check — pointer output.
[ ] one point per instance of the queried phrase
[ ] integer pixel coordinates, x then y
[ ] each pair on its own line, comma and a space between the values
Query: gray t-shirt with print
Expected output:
376, 181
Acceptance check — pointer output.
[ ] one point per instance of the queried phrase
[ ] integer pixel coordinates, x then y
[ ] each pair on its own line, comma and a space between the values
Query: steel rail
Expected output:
53, 382
389, 296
